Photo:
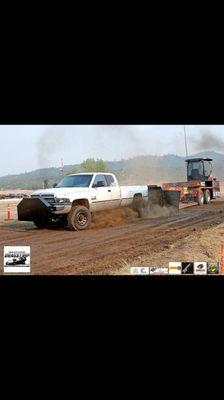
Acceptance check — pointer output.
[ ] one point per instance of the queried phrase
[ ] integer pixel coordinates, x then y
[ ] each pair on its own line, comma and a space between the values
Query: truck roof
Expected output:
199, 159
91, 173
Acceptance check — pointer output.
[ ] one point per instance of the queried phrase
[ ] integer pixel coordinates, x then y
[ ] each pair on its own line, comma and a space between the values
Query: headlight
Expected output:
62, 201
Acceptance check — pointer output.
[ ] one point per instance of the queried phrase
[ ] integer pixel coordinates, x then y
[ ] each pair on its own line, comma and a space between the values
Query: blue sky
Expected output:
28, 147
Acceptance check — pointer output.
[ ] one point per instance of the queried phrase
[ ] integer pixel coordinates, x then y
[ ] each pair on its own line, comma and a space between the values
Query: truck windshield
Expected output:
195, 170
75, 181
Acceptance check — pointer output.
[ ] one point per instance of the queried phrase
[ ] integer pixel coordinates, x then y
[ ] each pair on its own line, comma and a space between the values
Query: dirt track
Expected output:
103, 250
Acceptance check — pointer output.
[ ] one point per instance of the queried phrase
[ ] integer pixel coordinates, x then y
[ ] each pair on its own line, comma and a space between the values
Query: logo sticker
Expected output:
139, 270
200, 268
175, 268
17, 259
158, 270
187, 267
213, 268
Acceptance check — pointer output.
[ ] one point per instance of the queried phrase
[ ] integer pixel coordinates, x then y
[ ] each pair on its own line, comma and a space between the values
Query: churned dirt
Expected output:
113, 217
200, 245
117, 240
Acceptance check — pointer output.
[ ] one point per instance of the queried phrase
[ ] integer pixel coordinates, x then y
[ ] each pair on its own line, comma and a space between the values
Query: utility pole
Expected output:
185, 139
62, 168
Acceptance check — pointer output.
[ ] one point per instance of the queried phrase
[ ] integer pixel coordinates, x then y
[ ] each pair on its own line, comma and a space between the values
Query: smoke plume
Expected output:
208, 141
97, 142
126, 138
51, 142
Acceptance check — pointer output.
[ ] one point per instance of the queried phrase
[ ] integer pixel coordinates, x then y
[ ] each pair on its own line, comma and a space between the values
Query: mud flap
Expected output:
32, 209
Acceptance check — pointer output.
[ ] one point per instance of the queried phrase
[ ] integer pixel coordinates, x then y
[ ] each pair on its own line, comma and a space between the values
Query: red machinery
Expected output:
200, 187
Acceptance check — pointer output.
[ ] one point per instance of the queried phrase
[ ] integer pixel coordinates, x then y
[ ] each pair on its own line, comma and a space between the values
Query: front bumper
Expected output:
30, 209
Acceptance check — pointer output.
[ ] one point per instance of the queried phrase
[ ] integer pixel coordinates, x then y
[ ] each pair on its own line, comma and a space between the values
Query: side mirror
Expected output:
54, 185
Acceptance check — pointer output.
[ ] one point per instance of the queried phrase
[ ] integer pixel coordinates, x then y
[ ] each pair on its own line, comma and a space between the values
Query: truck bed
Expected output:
127, 193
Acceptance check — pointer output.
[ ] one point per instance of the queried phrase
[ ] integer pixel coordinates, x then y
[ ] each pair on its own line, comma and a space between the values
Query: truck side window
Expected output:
110, 180
100, 178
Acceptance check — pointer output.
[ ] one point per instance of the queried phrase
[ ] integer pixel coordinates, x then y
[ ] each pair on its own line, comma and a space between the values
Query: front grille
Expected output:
49, 198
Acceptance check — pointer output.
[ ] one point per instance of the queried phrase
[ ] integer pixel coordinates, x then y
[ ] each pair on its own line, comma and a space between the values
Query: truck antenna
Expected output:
185, 139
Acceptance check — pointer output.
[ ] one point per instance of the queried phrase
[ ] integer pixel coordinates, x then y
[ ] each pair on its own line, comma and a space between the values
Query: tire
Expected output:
40, 224
79, 218
207, 196
201, 199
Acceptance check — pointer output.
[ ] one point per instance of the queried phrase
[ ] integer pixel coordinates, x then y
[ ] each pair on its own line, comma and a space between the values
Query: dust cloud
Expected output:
125, 215
157, 211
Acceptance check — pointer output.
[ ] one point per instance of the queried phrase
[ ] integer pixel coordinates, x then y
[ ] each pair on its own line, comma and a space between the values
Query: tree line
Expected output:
90, 165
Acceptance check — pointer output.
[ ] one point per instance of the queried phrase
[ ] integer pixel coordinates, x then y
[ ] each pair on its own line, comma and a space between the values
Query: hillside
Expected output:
137, 170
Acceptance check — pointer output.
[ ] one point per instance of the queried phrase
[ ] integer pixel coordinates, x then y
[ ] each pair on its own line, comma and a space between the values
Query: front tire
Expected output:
79, 218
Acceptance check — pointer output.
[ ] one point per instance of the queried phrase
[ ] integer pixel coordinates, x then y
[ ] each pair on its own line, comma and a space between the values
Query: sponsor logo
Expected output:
158, 270
17, 259
200, 268
180, 268
212, 268
139, 270
187, 267
175, 268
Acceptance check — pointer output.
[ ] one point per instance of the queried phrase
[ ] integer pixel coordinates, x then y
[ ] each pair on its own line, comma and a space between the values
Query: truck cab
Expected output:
199, 169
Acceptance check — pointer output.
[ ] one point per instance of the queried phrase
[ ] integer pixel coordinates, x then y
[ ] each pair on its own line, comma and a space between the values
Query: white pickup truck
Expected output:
76, 197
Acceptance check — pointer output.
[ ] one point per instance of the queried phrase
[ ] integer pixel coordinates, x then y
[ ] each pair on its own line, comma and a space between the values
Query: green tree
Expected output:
92, 165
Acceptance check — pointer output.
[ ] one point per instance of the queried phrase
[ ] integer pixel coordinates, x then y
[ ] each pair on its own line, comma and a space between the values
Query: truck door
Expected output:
101, 194
114, 190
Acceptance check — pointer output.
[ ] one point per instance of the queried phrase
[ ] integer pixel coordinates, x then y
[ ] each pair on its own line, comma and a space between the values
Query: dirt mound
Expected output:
113, 217
204, 246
